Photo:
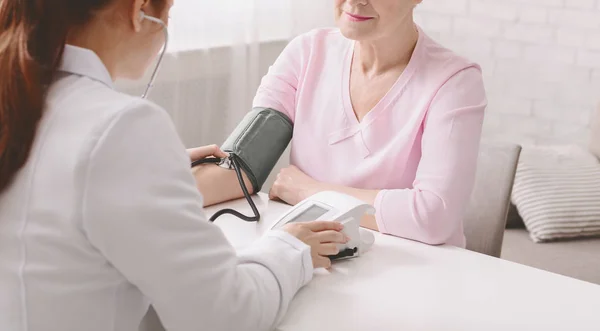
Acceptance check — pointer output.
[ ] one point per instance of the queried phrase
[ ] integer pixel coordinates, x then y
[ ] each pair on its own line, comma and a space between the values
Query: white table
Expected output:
404, 285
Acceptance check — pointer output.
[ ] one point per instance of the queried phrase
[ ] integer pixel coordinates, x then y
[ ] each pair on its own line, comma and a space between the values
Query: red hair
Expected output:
33, 34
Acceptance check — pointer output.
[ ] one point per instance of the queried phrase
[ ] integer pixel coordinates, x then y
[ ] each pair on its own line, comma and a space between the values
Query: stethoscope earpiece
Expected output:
143, 16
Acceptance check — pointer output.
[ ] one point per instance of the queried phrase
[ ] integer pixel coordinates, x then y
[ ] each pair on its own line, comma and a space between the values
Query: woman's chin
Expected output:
355, 31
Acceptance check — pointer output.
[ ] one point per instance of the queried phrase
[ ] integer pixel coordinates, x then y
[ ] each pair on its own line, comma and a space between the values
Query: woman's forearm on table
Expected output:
368, 196
218, 184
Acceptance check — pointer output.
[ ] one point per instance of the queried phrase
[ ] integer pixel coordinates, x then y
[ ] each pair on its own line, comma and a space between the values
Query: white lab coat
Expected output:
105, 218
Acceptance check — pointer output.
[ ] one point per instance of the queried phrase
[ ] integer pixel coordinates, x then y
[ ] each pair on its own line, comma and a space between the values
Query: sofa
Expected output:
573, 258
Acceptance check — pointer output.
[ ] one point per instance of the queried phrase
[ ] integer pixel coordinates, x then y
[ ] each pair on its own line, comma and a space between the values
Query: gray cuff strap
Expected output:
259, 141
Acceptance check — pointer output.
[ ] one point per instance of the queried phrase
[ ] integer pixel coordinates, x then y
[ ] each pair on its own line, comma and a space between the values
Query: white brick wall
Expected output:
541, 62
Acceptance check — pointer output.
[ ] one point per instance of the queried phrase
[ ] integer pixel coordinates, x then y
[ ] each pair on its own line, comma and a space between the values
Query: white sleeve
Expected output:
142, 211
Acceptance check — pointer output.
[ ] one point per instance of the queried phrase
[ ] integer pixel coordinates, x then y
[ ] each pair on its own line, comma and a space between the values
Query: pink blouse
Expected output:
418, 145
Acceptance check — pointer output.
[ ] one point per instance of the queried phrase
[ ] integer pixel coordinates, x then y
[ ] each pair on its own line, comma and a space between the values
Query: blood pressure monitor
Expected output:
334, 206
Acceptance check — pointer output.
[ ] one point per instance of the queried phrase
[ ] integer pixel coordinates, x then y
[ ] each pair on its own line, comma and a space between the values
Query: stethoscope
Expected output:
232, 160
143, 16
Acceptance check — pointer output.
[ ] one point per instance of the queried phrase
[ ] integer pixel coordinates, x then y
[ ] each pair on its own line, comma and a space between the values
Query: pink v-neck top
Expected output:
418, 146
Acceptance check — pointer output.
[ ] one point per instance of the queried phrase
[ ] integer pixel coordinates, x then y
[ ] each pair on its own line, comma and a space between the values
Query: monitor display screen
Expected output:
310, 214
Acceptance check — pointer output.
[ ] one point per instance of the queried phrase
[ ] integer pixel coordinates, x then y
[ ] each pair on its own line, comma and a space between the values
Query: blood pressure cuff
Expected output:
258, 142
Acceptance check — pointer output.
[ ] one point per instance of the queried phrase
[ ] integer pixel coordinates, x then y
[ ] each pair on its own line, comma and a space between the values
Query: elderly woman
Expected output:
381, 112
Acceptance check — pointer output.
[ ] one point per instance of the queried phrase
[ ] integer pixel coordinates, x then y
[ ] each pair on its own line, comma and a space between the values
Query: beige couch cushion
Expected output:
574, 258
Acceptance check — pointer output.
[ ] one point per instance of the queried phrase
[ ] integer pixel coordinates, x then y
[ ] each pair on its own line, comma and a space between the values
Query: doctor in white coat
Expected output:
99, 212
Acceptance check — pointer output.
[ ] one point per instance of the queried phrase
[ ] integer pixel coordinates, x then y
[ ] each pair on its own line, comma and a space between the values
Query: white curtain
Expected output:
218, 52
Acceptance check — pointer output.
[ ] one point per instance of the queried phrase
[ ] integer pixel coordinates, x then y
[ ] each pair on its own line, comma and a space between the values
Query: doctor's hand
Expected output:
216, 184
206, 151
321, 236
292, 186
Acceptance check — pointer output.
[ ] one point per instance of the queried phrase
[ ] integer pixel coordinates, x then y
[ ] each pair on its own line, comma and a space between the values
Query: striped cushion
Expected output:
558, 199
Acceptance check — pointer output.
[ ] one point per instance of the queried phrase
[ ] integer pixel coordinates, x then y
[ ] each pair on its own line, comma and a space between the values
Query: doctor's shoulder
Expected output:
94, 104
119, 119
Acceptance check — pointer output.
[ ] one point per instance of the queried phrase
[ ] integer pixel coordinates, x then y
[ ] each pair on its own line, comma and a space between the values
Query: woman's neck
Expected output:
384, 54
99, 37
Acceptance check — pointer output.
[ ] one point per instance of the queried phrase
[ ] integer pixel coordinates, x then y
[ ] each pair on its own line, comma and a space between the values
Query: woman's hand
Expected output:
292, 186
322, 237
206, 151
